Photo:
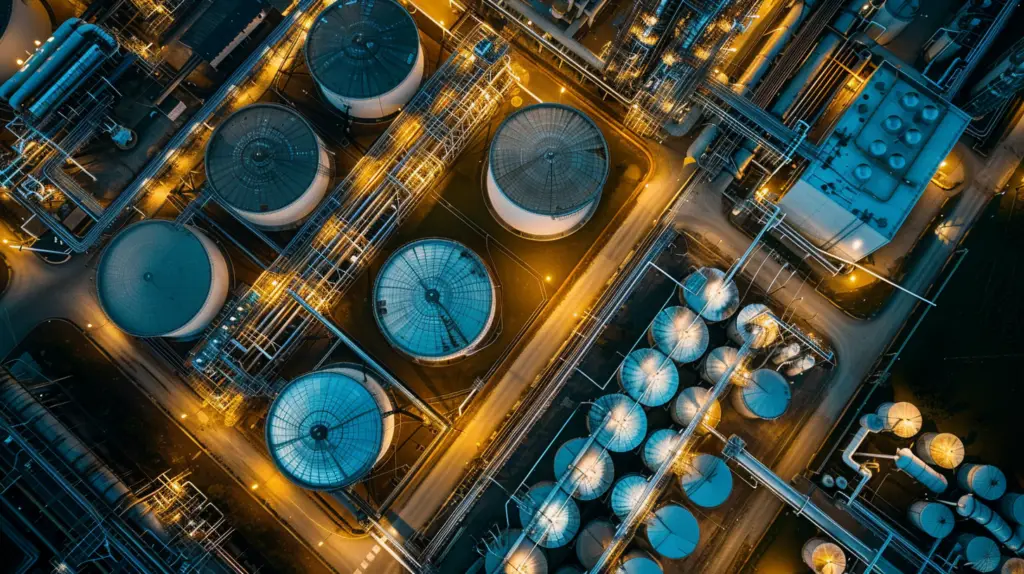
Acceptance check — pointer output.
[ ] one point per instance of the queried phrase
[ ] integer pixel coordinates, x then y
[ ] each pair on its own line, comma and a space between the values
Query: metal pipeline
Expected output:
970, 507
779, 37
869, 423
701, 144
38, 57
919, 470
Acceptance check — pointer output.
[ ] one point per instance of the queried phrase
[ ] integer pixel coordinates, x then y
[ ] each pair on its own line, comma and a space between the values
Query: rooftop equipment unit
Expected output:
327, 429
944, 450
626, 494
707, 292
933, 518
980, 553
626, 426
22, 24
660, 446
755, 324
765, 396
365, 57
673, 531
718, 362
557, 521
592, 476
649, 377
706, 481
688, 404
680, 334
547, 166
267, 164
434, 300
160, 279
526, 559
823, 557
903, 419
638, 562
984, 480
592, 541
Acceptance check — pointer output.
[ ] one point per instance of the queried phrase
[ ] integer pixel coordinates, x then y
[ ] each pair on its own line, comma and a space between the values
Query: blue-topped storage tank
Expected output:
660, 446
638, 562
591, 476
706, 480
557, 520
673, 531
648, 376
679, 333
626, 494
707, 292
525, 559
617, 422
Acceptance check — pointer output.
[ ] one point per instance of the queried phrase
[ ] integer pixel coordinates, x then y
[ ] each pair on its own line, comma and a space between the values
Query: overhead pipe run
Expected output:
780, 36
970, 507
869, 423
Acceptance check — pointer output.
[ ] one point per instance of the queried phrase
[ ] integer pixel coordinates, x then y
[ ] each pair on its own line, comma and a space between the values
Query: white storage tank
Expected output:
706, 480
327, 429
592, 476
22, 24
980, 553
592, 541
547, 166
557, 520
638, 562
1012, 506
754, 323
689, 402
787, 353
984, 480
933, 518
801, 365
365, 56
707, 292
649, 377
160, 279
892, 18
617, 422
679, 333
673, 531
265, 163
765, 395
903, 419
660, 446
944, 450
434, 300
718, 362
823, 557
526, 559
920, 471
626, 494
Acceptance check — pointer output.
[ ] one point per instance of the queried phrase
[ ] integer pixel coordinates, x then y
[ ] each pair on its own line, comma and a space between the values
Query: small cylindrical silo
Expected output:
717, 364
984, 480
526, 559
823, 557
1011, 565
944, 450
920, 471
707, 292
754, 323
1012, 507
591, 474
649, 377
787, 353
592, 542
626, 494
679, 333
673, 531
689, 402
546, 169
980, 552
801, 365
933, 518
765, 395
638, 562
706, 480
365, 57
557, 519
903, 419
617, 422
660, 446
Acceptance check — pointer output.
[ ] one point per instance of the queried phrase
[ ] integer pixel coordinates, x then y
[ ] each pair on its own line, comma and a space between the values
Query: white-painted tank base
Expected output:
531, 225
295, 212
219, 283
384, 105
370, 383
29, 23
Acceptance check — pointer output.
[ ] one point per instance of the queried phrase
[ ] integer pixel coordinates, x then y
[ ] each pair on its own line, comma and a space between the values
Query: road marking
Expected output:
370, 556
364, 564
376, 549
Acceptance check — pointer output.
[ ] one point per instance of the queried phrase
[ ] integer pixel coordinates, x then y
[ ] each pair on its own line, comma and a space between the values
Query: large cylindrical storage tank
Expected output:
160, 279
365, 56
919, 470
980, 552
327, 429
706, 480
707, 292
659, 447
617, 422
1012, 507
765, 395
592, 541
984, 480
673, 531
755, 324
933, 518
265, 163
689, 402
626, 494
22, 24
903, 419
679, 333
526, 559
546, 168
638, 562
718, 362
557, 521
649, 377
1011, 565
591, 476
434, 300
823, 557
944, 450
892, 18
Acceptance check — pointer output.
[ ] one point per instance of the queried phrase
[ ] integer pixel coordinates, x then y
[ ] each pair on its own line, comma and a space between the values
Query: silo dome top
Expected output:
660, 446
673, 531
649, 377
325, 430
557, 519
766, 394
902, 418
549, 159
680, 333
755, 325
1013, 565
638, 562
525, 559
718, 362
626, 423
262, 158
626, 494
707, 481
591, 476
362, 48
434, 299
707, 292
154, 278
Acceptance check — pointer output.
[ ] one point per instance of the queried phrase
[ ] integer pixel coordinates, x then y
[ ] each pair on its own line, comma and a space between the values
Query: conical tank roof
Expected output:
592, 475
680, 334
824, 557
984, 480
981, 552
362, 48
638, 562
592, 541
706, 480
689, 402
325, 430
1012, 565
626, 424
660, 446
903, 419
649, 377
526, 559
765, 395
549, 159
944, 450
707, 292
933, 518
673, 531
754, 324
557, 520
434, 300
626, 494
717, 363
